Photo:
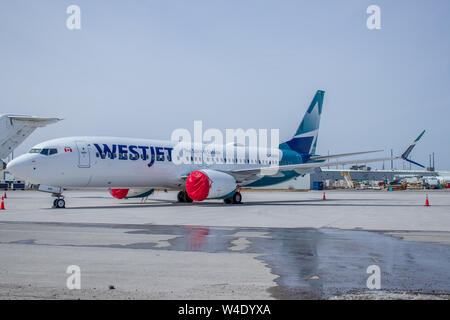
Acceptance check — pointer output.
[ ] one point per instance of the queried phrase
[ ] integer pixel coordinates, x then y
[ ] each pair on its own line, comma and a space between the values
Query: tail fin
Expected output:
305, 138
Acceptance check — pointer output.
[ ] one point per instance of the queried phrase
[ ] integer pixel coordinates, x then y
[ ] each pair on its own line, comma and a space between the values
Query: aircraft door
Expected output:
84, 157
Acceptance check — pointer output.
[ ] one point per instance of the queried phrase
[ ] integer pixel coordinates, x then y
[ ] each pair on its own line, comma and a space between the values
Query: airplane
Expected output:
443, 179
436, 182
133, 168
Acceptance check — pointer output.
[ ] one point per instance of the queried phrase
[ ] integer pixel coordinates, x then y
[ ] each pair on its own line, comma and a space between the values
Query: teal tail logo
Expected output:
305, 138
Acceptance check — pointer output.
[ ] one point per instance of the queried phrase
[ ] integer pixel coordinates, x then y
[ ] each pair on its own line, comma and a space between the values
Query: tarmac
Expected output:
276, 245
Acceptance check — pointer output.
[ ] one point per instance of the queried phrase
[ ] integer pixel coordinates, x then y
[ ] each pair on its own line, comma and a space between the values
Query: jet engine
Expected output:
209, 184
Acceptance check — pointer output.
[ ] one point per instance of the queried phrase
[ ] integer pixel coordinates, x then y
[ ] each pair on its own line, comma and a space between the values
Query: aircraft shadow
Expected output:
305, 202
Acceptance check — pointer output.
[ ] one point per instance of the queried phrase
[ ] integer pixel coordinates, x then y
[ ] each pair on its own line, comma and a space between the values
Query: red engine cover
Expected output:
197, 186
119, 193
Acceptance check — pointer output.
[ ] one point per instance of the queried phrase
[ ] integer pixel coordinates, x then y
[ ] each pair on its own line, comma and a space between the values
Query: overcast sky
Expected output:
143, 68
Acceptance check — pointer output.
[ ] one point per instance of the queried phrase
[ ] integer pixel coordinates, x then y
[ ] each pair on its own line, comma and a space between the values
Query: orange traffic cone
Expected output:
5, 196
324, 196
2, 206
427, 203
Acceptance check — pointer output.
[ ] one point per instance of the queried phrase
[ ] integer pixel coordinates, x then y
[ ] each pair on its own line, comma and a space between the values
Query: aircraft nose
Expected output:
17, 167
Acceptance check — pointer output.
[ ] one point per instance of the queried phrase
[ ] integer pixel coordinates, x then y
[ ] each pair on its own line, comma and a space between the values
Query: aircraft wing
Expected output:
14, 129
318, 158
304, 168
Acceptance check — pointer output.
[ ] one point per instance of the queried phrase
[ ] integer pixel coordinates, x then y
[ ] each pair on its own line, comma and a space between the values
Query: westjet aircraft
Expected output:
132, 168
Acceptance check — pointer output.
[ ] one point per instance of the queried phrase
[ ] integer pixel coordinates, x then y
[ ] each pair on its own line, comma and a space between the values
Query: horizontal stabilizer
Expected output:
33, 121
14, 129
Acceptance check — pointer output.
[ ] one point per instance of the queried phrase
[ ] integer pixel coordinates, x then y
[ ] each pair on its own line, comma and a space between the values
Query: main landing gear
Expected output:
59, 202
183, 197
236, 198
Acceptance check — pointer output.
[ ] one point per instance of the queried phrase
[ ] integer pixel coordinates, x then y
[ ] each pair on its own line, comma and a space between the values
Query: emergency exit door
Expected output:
84, 157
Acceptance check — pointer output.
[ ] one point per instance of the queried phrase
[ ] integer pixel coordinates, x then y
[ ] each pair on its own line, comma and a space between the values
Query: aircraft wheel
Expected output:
186, 198
180, 196
60, 203
237, 198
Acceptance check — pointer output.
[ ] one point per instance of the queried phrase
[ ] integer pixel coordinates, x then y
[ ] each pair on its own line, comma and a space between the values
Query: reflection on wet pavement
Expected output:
309, 263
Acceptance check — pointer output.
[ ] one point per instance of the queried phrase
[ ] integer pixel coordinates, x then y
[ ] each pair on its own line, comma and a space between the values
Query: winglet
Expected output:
405, 154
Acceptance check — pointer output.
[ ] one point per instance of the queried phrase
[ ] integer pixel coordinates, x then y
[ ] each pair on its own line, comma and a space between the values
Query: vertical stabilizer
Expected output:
305, 138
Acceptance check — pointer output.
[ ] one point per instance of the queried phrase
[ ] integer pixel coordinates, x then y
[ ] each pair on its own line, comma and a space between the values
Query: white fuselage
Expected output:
109, 162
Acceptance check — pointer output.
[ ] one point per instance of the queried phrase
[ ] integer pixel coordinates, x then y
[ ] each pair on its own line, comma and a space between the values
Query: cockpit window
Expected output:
45, 151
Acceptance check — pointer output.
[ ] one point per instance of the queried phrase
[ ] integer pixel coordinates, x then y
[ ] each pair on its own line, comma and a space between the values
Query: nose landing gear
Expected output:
59, 202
